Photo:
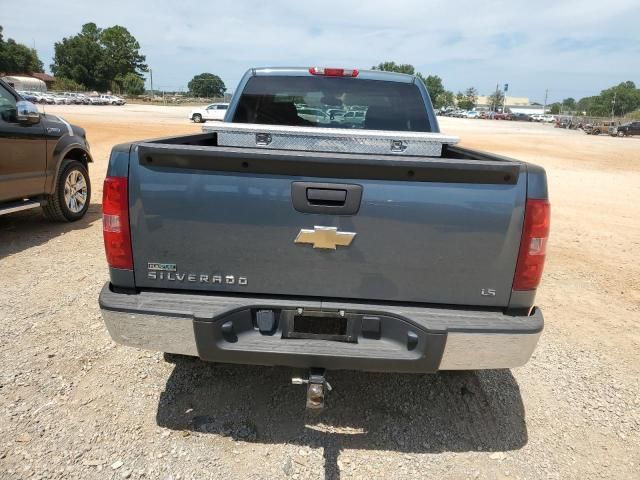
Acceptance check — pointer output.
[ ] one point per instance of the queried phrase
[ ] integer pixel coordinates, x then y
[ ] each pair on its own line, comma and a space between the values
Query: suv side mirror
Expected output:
27, 113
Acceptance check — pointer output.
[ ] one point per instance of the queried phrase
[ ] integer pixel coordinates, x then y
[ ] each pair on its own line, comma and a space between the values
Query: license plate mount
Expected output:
319, 326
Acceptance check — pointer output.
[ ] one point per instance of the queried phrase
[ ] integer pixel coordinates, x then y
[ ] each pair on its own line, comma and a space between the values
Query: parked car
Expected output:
500, 116
214, 111
314, 115
521, 117
336, 115
298, 253
548, 118
58, 99
626, 129
472, 114
111, 100
354, 118
83, 99
44, 161
597, 128
28, 97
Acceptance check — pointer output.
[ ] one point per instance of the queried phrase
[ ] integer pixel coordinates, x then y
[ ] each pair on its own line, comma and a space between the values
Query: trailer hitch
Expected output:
317, 388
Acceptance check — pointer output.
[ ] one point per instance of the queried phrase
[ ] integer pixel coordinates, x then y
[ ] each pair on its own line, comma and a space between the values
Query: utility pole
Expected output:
494, 105
151, 76
544, 109
504, 103
613, 103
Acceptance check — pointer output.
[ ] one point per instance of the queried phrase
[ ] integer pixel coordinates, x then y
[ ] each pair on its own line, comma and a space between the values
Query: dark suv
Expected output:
43, 161
626, 129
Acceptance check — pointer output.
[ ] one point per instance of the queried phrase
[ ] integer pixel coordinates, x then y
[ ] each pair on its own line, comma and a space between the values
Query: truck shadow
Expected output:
446, 412
22, 230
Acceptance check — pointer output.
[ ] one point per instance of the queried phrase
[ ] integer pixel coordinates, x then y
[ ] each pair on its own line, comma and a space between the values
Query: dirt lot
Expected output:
75, 405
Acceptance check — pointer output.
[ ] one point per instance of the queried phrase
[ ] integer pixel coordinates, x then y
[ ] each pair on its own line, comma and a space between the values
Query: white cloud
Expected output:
575, 48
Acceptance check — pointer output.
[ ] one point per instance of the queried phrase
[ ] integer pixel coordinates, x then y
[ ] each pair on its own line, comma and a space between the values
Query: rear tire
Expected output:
621, 134
70, 200
197, 118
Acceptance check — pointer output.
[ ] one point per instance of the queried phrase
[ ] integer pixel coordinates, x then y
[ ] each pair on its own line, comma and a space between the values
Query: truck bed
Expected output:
440, 230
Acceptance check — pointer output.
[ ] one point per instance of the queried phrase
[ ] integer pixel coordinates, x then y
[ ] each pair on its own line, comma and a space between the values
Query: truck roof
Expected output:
304, 72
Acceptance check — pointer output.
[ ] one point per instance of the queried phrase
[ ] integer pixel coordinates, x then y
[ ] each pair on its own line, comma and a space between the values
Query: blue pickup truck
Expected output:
326, 224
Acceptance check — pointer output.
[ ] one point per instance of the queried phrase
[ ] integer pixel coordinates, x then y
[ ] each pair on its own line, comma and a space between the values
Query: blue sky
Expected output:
572, 47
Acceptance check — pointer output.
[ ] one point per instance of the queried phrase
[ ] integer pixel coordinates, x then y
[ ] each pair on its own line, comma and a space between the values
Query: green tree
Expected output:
79, 58
623, 98
133, 84
17, 58
468, 99
395, 67
439, 96
206, 85
554, 108
585, 105
121, 55
434, 87
445, 99
98, 58
471, 94
496, 100
569, 103
67, 85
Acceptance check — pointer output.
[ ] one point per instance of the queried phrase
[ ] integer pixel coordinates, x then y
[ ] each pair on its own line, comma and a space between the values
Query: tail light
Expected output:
115, 223
533, 245
334, 72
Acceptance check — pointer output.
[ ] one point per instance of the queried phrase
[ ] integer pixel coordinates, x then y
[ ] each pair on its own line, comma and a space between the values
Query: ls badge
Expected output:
325, 237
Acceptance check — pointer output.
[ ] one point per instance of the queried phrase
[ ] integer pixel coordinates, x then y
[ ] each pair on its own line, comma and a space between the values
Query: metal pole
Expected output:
544, 109
495, 102
151, 74
613, 103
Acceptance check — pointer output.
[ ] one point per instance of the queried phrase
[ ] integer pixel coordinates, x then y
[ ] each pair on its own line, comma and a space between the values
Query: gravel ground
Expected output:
75, 405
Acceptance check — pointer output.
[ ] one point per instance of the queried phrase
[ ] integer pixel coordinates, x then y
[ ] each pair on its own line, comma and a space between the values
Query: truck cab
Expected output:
44, 161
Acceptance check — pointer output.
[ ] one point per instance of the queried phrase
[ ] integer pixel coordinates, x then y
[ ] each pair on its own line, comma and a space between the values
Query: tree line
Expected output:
440, 97
110, 59
15, 57
616, 101
620, 100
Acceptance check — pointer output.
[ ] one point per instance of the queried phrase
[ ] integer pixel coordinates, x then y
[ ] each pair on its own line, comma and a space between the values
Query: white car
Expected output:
471, 114
314, 115
111, 100
215, 111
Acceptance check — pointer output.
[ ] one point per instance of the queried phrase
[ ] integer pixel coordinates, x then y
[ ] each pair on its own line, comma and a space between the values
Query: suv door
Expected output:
23, 153
210, 112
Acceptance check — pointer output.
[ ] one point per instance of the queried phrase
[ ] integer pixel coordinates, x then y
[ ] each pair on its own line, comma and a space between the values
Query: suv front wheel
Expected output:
71, 198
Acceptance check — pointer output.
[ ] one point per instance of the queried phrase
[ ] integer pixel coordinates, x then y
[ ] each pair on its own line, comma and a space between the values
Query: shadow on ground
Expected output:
447, 412
22, 230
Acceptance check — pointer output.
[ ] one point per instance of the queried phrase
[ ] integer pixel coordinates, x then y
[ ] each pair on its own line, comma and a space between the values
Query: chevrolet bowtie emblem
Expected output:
325, 237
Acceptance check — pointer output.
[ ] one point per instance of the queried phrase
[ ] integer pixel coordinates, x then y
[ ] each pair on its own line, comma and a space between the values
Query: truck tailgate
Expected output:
224, 219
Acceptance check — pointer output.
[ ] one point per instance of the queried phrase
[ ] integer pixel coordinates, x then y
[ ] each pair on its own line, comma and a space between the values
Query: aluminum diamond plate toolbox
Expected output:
318, 139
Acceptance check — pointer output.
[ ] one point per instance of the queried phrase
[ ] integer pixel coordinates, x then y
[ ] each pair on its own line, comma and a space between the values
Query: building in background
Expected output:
31, 82
513, 104
45, 77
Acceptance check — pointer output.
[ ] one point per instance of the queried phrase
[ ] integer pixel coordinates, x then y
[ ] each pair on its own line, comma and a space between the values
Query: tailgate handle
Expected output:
327, 198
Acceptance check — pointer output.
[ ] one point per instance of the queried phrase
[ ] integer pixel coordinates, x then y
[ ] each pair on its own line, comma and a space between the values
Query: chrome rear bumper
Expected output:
447, 339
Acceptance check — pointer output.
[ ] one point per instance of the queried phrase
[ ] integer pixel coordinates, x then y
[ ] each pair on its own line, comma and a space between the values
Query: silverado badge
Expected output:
325, 237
